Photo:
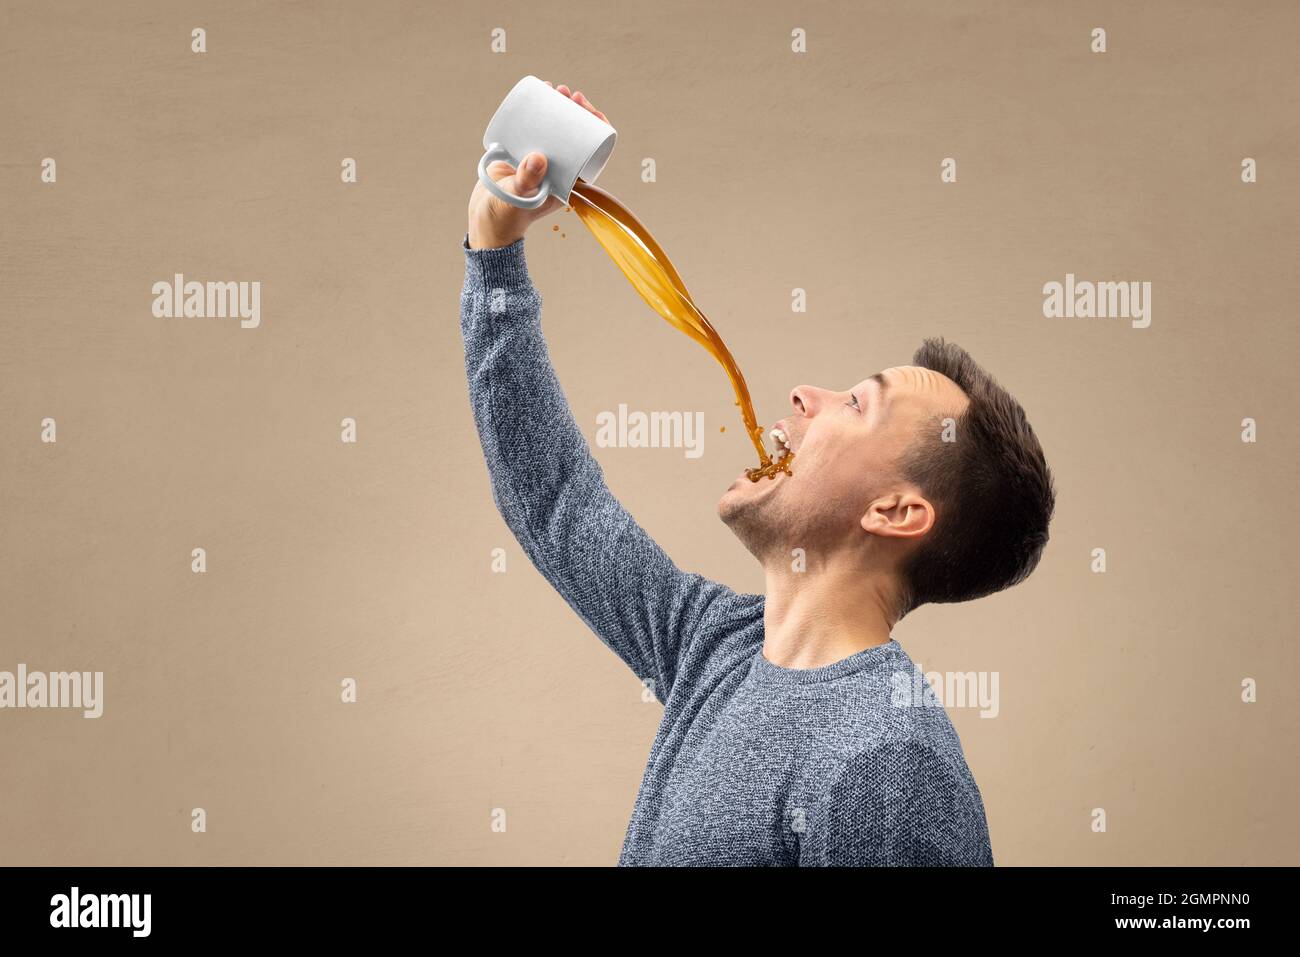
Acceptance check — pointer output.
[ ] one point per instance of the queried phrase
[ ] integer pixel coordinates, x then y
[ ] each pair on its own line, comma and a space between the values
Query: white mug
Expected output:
537, 117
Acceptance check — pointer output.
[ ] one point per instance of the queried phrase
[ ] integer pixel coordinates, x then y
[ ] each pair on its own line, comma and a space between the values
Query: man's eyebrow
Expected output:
879, 379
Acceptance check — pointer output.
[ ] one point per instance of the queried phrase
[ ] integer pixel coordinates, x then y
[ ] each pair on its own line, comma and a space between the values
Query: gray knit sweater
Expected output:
753, 764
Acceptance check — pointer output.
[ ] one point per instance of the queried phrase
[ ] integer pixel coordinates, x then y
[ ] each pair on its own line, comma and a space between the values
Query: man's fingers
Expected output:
528, 177
531, 172
580, 98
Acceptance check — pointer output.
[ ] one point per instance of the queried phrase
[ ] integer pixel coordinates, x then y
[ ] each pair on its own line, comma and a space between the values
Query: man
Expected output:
783, 740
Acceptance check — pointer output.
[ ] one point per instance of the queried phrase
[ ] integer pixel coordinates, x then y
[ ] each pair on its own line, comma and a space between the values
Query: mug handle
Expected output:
498, 152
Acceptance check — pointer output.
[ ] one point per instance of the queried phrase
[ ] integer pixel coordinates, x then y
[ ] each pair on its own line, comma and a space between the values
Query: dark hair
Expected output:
991, 488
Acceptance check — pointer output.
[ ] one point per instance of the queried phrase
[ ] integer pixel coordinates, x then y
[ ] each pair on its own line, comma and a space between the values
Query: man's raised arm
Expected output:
550, 490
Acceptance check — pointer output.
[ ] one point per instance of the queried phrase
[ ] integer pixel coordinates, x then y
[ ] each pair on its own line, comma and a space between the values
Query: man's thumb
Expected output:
531, 171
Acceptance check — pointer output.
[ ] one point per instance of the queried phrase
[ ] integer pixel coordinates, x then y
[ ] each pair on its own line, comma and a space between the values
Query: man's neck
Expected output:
820, 616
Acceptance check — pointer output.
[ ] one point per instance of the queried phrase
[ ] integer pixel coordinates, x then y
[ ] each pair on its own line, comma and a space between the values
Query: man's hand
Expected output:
493, 222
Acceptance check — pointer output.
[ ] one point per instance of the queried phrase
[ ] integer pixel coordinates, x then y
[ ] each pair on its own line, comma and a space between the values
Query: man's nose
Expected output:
807, 399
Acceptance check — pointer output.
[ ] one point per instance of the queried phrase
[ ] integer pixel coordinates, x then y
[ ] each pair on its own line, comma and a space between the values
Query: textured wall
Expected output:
371, 560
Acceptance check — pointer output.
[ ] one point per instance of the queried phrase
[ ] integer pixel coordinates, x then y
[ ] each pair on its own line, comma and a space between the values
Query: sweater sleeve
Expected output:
552, 493
898, 804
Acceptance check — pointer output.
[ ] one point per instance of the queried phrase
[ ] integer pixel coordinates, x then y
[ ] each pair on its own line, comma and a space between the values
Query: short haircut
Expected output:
991, 488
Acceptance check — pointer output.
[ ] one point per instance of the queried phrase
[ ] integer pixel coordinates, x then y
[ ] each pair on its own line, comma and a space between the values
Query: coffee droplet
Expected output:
555, 229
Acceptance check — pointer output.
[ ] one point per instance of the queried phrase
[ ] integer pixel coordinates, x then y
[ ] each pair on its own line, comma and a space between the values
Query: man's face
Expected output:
848, 450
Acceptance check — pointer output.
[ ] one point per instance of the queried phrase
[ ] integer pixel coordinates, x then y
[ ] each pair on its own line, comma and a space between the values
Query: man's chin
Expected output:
744, 496
746, 508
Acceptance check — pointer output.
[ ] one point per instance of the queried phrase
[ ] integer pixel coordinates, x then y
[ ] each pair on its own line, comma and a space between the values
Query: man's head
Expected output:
930, 473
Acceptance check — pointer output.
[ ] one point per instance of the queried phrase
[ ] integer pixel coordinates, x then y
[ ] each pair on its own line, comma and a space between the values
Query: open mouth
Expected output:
781, 445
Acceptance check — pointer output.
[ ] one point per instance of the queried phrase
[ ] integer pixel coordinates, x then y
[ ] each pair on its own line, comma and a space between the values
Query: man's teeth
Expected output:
780, 442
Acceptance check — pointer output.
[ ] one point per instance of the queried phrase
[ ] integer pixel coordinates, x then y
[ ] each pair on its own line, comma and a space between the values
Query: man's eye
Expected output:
854, 404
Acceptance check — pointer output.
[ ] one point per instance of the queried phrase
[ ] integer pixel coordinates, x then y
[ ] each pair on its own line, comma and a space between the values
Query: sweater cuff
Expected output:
503, 267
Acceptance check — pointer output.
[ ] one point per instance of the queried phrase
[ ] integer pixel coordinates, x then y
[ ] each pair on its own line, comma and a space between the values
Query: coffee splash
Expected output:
651, 273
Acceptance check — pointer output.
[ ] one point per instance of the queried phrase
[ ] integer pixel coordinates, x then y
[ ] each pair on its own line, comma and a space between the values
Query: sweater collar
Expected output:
860, 661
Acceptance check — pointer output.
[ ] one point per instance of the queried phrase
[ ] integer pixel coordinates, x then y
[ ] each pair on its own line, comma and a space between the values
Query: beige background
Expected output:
775, 171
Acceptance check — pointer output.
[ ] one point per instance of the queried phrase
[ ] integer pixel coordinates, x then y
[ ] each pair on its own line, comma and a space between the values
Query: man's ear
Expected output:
906, 514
